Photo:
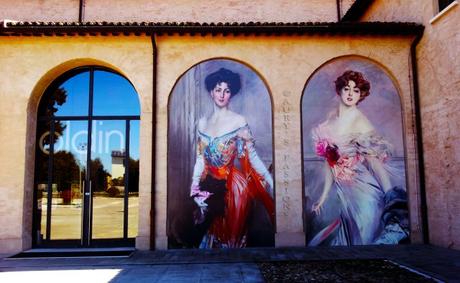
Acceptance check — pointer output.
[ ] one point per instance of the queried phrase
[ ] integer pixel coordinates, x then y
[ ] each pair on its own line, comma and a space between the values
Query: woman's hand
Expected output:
199, 216
316, 208
199, 196
200, 201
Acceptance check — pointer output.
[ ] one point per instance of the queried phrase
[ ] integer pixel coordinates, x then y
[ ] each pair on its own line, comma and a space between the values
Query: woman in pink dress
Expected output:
373, 209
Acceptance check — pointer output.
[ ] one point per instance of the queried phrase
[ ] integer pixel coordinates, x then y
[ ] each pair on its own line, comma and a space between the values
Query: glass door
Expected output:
108, 178
76, 208
114, 180
61, 164
87, 162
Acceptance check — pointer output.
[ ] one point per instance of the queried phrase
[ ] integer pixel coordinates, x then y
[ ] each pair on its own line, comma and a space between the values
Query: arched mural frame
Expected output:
395, 84
266, 86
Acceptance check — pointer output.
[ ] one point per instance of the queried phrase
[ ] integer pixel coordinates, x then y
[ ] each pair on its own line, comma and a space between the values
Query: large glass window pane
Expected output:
71, 98
107, 178
114, 95
69, 169
133, 202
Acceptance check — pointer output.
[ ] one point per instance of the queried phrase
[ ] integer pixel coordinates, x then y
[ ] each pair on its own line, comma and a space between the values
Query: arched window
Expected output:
87, 161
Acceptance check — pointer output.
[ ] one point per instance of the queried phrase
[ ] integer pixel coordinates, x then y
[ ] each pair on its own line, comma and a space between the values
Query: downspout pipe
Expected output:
418, 127
81, 11
154, 138
338, 10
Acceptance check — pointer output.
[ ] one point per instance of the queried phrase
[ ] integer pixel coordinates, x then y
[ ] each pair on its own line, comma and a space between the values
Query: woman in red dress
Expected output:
222, 190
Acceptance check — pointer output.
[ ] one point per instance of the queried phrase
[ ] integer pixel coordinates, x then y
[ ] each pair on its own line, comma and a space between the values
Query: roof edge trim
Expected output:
16, 28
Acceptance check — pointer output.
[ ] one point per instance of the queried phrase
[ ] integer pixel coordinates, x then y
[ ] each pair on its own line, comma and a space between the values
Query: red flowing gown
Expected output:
243, 184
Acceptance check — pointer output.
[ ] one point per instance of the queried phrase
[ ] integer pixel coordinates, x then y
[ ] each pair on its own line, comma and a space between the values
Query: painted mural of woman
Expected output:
228, 174
372, 209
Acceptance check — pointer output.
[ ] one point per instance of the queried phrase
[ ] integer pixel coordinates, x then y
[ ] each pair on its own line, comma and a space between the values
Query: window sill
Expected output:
444, 11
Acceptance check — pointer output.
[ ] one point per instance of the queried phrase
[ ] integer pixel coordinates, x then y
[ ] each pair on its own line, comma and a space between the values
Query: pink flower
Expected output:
330, 152
321, 148
332, 155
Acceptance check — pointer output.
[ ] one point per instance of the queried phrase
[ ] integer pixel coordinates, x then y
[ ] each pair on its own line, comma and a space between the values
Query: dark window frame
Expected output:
443, 4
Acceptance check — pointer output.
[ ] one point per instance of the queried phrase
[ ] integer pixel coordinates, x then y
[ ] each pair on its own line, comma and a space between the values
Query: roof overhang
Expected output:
13, 28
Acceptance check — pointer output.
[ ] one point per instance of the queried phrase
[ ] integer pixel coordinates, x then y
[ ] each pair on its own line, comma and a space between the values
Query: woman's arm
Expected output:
197, 170
374, 153
198, 196
328, 179
259, 166
380, 172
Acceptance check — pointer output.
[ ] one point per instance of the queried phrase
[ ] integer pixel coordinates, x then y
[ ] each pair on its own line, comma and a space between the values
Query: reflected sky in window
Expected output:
113, 95
77, 96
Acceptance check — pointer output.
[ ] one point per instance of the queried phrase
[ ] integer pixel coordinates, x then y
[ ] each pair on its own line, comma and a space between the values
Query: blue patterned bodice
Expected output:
221, 150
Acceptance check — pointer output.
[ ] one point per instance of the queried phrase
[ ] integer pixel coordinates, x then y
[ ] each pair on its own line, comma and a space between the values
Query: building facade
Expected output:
87, 82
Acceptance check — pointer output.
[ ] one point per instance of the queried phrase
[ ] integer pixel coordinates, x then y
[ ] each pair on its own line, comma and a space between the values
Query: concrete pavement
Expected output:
219, 265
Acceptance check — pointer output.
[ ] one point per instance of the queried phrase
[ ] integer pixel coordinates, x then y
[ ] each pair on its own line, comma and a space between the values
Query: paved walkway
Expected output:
222, 265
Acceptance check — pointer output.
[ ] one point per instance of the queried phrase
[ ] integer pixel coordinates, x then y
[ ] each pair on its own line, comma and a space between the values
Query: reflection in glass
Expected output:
41, 180
114, 95
71, 98
133, 202
107, 178
69, 167
40, 213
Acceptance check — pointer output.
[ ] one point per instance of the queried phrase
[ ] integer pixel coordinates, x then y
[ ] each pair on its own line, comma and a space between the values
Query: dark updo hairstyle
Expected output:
363, 85
223, 75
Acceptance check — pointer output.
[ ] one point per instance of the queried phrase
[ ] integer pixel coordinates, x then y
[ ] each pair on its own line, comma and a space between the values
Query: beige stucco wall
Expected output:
173, 11
285, 63
29, 65
438, 59
398, 10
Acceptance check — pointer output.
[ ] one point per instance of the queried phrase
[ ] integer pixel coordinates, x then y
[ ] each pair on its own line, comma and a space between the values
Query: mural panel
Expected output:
354, 171
220, 188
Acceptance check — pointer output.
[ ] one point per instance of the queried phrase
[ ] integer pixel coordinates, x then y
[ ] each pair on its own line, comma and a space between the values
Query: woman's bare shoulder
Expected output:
202, 122
238, 120
362, 124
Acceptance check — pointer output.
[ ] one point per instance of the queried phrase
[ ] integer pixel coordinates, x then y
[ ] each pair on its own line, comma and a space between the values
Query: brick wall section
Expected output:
180, 11
36, 10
